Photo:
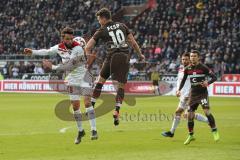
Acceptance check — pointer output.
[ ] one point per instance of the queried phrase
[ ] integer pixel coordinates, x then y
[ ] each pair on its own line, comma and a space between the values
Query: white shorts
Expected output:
183, 103
76, 91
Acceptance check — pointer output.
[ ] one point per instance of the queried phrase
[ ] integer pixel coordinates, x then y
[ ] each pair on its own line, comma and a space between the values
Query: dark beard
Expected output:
68, 46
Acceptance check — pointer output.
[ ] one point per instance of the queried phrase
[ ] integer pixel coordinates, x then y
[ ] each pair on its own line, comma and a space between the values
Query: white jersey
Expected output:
75, 77
187, 86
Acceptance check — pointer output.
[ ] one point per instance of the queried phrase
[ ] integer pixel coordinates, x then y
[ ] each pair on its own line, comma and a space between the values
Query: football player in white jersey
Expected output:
183, 99
69, 49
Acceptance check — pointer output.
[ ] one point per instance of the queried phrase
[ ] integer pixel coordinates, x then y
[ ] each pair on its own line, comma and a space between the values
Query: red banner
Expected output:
33, 86
226, 88
53, 86
231, 78
132, 87
138, 87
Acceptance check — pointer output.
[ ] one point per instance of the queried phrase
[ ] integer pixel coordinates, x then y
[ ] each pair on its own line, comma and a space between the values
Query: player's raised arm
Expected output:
131, 40
41, 52
90, 56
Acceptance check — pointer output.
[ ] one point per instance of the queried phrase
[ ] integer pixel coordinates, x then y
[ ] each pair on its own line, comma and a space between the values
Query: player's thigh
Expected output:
120, 67
205, 102
85, 88
105, 71
183, 103
87, 101
73, 93
194, 101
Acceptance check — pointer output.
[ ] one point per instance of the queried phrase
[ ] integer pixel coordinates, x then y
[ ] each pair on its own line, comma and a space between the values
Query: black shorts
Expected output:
117, 67
155, 82
195, 100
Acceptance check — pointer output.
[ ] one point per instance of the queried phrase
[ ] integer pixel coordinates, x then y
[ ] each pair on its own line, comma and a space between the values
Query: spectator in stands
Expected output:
15, 72
133, 72
5, 71
155, 77
38, 69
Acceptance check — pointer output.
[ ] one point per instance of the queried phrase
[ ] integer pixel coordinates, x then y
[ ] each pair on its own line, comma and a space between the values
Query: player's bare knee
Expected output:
207, 111
87, 101
179, 112
185, 115
190, 115
121, 85
75, 105
101, 80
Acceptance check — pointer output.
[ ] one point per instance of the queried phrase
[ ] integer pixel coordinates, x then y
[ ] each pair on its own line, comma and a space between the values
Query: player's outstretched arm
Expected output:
68, 66
41, 52
181, 84
135, 46
90, 56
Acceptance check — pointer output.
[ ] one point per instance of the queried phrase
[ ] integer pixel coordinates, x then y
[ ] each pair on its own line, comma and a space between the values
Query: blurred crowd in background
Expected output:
164, 32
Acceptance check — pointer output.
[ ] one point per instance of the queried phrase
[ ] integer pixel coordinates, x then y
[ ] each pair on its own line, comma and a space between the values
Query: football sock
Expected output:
175, 123
190, 126
96, 93
78, 118
211, 121
91, 117
201, 117
119, 98
93, 101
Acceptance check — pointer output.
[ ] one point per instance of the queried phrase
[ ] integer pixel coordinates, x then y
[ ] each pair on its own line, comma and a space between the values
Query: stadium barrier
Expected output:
231, 78
231, 89
59, 86
132, 87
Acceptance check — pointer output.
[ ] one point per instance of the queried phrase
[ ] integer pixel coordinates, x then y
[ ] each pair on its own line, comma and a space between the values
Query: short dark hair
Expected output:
186, 54
67, 30
104, 12
196, 52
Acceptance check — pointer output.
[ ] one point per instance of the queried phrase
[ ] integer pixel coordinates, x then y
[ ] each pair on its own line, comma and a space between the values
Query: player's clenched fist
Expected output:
178, 93
27, 51
142, 58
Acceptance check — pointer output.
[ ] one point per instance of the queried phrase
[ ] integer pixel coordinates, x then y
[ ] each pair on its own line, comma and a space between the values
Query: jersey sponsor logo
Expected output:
198, 71
196, 75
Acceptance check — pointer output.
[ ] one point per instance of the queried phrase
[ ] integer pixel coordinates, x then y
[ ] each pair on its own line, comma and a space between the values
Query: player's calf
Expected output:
96, 93
91, 116
119, 98
211, 119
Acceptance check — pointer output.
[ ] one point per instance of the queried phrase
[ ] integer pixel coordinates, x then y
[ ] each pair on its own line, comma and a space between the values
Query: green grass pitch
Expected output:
30, 130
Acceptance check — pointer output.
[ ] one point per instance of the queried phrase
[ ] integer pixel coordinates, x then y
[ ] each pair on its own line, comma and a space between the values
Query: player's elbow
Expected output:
134, 45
